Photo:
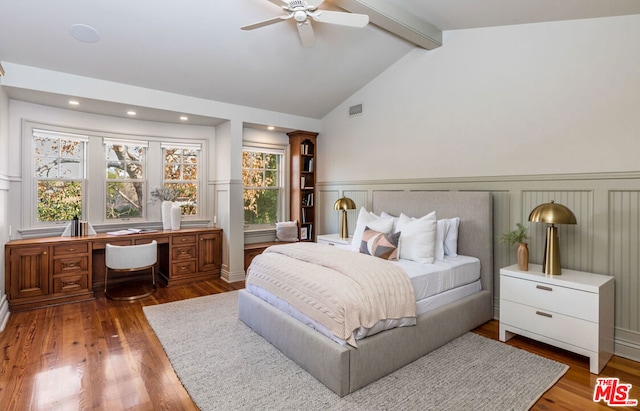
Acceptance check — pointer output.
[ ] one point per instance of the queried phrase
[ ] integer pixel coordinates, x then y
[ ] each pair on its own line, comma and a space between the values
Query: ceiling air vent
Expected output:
355, 110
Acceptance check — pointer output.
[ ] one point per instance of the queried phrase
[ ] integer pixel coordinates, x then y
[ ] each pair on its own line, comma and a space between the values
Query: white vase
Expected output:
175, 217
166, 214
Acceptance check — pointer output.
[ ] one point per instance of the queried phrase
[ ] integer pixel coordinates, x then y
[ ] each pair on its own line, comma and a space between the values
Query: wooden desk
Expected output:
56, 270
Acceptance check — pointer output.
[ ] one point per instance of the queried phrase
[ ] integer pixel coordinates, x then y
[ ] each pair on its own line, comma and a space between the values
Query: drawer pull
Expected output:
542, 287
544, 314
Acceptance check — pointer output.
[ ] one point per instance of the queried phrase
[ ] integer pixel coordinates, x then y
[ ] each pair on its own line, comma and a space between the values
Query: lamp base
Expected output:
551, 263
344, 228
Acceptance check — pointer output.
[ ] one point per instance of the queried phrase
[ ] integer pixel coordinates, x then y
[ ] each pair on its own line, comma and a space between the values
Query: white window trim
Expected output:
283, 150
199, 181
94, 201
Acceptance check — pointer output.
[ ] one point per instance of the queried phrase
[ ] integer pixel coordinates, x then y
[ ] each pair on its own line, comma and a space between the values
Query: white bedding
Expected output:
435, 285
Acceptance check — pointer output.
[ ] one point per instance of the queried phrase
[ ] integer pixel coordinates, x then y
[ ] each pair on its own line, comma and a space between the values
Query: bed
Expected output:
344, 368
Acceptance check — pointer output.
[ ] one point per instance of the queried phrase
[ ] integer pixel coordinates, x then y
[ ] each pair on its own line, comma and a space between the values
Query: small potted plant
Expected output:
518, 236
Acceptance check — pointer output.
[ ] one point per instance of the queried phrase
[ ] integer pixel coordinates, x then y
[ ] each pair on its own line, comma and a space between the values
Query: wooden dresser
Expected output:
56, 270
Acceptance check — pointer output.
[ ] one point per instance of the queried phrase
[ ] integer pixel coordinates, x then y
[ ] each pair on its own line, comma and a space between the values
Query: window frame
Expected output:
144, 180
283, 187
198, 181
33, 197
94, 185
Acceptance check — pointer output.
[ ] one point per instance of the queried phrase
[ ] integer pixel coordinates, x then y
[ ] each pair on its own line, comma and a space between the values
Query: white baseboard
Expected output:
232, 277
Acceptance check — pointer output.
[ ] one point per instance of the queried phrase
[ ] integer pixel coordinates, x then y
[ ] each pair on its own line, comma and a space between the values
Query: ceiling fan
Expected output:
303, 12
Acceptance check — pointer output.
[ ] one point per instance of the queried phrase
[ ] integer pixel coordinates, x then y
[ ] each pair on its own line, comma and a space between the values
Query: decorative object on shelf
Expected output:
518, 236
523, 256
344, 204
552, 213
166, 195
78, 228
175, 217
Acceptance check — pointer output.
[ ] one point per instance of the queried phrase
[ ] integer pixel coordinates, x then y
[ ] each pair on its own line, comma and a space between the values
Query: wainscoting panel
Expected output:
624, 256
605, 240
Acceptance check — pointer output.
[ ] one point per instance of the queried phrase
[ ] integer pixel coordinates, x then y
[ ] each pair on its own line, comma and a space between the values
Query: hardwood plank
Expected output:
574, 391
103, 355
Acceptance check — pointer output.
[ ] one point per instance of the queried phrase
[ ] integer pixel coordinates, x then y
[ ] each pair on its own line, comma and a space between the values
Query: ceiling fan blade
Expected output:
265, 23
306, 34
341, 18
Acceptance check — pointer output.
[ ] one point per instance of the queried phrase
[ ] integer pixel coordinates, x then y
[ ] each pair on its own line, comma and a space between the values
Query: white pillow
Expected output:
384, 214
441, 231
417, 238
287, 231
451, 237
374, 222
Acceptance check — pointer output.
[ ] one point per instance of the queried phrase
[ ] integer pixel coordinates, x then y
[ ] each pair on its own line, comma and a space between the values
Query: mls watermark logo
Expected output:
614, 393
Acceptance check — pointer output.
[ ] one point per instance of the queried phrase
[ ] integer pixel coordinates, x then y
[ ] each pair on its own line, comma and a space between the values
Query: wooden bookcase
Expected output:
303, 182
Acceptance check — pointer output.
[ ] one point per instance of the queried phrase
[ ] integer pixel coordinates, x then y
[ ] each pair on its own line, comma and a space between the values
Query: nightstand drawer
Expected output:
549, 324
549, 297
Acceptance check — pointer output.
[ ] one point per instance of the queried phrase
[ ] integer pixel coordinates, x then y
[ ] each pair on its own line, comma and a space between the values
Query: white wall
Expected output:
528, 99
4, 199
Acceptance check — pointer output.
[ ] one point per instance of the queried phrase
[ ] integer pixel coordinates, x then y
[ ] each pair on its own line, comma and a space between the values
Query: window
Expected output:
263, 178
59, 174
181, 163
126, 178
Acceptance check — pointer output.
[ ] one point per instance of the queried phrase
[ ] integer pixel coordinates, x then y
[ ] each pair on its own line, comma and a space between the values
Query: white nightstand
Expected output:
333, 239
573, 311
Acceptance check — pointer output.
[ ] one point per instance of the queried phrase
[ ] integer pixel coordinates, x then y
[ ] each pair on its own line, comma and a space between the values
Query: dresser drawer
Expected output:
560, 327
75, 248
183, 268
70, 283
183, 253
549, 297
183, 239
70, 265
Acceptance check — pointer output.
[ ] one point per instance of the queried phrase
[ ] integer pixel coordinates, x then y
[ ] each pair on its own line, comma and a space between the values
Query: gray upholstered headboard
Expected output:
475, 235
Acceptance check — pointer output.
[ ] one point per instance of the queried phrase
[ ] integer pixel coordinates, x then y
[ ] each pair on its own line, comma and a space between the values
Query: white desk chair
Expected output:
131, 258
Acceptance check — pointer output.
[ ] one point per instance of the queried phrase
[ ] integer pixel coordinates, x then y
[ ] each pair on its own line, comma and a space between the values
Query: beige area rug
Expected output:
224, 365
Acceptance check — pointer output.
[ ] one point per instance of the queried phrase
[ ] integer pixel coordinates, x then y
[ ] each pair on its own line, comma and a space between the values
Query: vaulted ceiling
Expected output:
196, 48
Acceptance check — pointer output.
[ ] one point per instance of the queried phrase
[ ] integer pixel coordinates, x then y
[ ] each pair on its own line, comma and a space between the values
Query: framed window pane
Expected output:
262, 176
126, 180
59, 200
181, 176
261, 206
59, 170
124, 200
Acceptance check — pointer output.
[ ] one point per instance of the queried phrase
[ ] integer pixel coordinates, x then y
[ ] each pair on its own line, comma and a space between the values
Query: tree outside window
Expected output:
59, 172
126, 164
181, 175
263, 186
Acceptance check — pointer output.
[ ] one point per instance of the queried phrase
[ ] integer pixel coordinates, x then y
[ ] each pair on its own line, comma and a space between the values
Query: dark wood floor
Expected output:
102, 355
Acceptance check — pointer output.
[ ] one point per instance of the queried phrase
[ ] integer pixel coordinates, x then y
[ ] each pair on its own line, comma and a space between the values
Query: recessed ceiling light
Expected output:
271, 128
84, 33
184, 118
74, 102
131, 113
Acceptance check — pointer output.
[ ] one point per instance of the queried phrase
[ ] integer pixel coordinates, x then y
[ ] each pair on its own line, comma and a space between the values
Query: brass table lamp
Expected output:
343, 204
552, 213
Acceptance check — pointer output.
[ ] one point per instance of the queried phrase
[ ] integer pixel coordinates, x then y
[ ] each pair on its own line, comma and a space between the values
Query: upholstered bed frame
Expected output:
345, 369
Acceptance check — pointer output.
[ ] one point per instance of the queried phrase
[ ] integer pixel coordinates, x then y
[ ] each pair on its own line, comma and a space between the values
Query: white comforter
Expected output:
339, 289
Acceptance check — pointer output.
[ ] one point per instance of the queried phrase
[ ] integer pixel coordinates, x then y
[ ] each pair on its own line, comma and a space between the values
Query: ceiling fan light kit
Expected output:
303, 12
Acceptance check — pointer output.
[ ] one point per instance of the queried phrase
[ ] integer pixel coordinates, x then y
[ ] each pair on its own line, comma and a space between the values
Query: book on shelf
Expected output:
306, 149
307, 165
307, 200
